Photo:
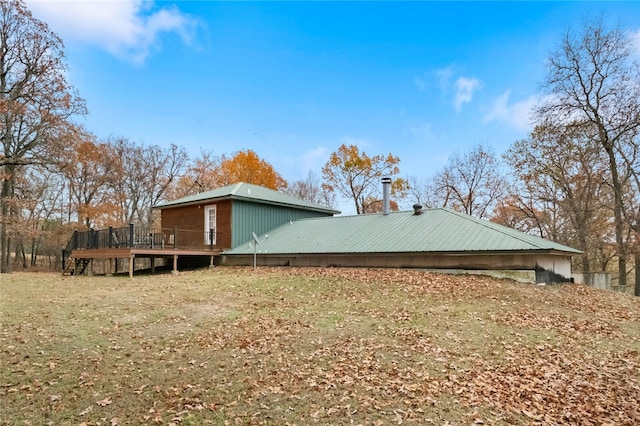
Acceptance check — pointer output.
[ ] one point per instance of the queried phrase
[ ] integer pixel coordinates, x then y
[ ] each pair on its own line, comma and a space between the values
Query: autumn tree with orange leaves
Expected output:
35, 100
209, 172
356, 176
92, 169
247, 166
560, 190
593, 78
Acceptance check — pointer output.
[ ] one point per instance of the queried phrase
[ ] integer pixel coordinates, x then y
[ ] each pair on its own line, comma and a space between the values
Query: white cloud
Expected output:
444, 76
128, 29
422, 130
313, 160
517, 114
464, 88
420, 83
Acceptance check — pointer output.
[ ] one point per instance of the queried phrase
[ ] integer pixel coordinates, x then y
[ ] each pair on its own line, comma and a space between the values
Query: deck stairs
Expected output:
74, 266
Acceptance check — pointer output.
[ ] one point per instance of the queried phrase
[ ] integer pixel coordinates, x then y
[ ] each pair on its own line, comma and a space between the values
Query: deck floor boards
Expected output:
107, 253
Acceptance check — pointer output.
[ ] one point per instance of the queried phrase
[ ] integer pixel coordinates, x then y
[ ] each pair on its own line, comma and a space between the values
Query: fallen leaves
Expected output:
560, 384
104, 402
323, 345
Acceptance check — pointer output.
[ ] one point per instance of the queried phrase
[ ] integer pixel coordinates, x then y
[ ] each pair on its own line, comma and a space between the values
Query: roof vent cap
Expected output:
417, 209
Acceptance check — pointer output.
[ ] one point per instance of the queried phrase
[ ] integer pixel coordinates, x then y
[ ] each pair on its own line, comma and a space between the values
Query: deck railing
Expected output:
142, 237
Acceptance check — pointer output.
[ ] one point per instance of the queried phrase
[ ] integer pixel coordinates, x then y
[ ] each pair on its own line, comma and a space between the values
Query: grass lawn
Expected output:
332, 346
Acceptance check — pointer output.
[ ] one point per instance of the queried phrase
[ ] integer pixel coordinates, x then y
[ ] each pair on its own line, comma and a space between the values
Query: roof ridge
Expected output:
497, 227
236, 188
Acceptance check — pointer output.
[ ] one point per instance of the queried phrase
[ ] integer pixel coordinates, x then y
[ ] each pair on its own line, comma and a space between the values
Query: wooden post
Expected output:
131, 235
175, 264
110, 239
153, 265
132, 261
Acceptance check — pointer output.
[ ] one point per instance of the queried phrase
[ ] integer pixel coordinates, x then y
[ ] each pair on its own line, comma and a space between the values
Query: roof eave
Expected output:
248, 199
404, 253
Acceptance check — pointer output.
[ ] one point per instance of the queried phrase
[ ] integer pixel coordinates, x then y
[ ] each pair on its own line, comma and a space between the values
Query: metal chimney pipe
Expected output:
386, 189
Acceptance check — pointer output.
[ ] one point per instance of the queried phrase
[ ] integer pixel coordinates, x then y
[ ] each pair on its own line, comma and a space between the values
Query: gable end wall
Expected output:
189, 220
262, 218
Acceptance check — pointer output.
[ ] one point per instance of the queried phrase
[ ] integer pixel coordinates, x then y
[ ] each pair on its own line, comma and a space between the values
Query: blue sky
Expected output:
295, 80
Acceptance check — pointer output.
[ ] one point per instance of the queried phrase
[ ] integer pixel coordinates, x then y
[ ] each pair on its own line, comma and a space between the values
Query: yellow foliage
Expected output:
246, 166
357, 176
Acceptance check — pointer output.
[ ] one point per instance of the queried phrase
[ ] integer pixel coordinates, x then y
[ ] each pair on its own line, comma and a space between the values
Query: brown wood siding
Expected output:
189, 221
223, 219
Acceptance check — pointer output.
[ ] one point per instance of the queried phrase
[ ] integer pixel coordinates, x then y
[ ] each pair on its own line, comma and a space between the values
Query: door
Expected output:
210, 225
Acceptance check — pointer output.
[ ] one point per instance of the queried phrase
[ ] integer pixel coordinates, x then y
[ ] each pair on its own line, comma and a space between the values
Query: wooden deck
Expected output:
132, 253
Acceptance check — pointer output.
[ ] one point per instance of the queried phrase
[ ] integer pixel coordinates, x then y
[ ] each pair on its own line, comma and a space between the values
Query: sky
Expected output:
293, 81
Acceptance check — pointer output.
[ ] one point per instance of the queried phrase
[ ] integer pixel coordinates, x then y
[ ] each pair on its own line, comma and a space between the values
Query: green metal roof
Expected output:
247, 192
435, 230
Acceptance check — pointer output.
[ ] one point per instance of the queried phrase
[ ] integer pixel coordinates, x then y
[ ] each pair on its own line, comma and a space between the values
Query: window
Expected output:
210, 224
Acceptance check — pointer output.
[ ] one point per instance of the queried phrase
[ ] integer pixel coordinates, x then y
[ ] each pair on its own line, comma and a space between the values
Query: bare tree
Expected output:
35, 100
471, 183
631, 158
593, 79
310, 189
39, 197
199, 176
422, 190
148, 173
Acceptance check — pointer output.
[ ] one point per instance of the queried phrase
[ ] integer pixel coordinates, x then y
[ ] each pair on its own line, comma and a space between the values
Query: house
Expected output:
438, 238
228, 226
228, 216
194, 229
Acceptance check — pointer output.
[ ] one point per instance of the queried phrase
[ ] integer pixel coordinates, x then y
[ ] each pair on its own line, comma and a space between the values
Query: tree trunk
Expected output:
20, 256
35, 246
5, 239
637, 264
586, 266
617, 212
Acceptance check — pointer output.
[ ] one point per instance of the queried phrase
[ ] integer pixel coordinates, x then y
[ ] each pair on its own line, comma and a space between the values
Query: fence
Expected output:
601, 280
142, 237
